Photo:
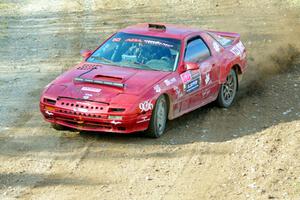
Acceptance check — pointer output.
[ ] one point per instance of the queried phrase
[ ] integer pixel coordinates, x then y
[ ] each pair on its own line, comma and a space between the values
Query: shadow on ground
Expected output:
39, 180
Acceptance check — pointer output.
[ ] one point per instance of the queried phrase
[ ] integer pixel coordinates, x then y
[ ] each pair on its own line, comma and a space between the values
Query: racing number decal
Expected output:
146, 106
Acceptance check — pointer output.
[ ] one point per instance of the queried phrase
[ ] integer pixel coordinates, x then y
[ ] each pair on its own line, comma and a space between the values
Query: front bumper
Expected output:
84, 118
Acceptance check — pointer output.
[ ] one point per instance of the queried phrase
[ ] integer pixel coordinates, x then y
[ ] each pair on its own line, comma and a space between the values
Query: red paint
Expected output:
101, 107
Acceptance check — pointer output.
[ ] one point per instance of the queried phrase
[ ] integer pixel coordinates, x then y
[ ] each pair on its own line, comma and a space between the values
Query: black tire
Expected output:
158, 119
228, 90
58, 127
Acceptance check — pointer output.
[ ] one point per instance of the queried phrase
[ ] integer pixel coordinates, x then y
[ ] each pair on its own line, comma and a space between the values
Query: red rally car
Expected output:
144, 75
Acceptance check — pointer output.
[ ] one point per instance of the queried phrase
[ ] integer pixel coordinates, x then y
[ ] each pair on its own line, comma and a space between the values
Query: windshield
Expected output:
138, 51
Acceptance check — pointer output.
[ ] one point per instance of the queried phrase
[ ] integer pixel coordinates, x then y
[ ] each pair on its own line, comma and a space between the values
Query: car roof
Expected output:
161, 30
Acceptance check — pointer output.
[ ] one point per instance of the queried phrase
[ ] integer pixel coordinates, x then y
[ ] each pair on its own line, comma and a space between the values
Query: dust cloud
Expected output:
263, 67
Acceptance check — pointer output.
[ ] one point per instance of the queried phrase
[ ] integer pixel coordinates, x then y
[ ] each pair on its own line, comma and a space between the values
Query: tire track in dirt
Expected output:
180, 172
201, 174
24, 163
81, 154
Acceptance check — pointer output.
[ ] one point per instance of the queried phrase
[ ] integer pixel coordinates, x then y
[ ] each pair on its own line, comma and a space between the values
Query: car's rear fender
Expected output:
226, 70
232, 60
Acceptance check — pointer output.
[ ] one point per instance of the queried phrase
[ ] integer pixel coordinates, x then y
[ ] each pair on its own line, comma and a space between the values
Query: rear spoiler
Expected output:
86, 80
234, 36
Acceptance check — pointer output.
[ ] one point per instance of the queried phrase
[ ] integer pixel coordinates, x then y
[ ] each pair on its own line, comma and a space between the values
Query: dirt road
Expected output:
250, 151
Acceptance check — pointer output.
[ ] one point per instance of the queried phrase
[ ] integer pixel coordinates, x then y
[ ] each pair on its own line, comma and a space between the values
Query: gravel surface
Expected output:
249, 151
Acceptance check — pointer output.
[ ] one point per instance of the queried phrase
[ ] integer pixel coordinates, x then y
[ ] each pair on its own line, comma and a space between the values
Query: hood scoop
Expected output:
98, 79
108, 78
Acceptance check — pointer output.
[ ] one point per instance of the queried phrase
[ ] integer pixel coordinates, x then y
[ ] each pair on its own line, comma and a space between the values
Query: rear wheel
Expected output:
227, 92
158, 119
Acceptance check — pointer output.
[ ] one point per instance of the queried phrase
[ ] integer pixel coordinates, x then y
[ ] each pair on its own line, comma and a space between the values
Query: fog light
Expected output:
114, 117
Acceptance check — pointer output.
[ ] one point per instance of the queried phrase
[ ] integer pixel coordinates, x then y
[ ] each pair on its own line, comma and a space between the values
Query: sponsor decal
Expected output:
91, 89
207, 78
48, 113
133, 40
115, 123
80, 110
216, 46
144, 119
186, 77
116, 40
238, 49
151, 42
157, 88
192, 85
87, 96
146, 106
177, 91
240, 46
158, 43
169, 82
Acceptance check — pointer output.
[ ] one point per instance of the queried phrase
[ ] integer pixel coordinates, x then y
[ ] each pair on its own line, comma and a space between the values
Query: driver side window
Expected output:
196, 51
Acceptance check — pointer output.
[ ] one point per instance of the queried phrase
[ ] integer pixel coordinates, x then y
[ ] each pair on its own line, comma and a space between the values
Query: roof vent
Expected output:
157, 27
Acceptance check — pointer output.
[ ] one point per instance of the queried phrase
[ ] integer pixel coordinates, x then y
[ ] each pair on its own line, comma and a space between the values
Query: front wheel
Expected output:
158, 119
227, 92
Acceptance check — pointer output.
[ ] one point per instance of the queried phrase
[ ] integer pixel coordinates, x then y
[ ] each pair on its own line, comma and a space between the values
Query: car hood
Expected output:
136, 82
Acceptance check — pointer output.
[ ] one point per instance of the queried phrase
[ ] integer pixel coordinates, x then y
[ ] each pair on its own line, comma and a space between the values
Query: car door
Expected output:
190, 79
198, 52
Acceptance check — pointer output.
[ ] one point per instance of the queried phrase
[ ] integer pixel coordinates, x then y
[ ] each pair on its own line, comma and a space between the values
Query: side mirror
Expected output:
191, 66
86, 53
